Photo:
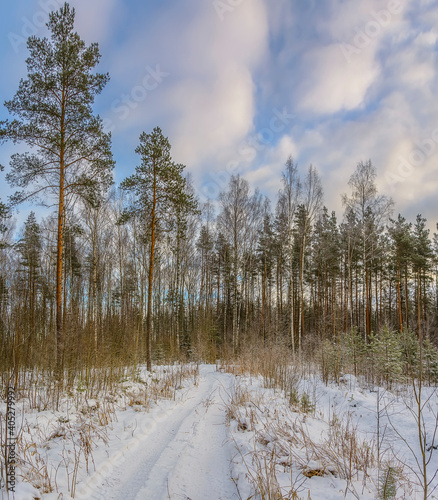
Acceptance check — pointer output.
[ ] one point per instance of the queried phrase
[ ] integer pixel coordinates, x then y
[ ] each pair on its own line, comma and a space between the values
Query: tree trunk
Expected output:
400, 316
150, 281
60, 248
235, 310
301, 311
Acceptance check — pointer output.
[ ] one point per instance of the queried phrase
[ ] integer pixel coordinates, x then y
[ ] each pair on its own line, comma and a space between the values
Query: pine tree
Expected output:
238, 221
387, 351
422, 264
350, 234
160, 192
223, 273
70, 153
205, 247
4, 210
29, 248
280, 251
309, 210
402, 253
325, 261
4, 215
265, 258
435, 268
182, 247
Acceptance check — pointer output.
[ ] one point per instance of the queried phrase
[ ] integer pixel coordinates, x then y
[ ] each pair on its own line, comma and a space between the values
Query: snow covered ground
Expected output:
218, 436
324, 444
182, 450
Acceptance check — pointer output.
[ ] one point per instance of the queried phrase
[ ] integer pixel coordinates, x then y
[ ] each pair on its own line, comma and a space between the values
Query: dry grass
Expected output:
282, 439
87, 406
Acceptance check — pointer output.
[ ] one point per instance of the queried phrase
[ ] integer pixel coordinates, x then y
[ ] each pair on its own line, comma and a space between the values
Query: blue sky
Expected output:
239, 85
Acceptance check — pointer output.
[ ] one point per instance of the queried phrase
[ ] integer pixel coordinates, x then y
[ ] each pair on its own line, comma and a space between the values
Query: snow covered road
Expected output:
184, 454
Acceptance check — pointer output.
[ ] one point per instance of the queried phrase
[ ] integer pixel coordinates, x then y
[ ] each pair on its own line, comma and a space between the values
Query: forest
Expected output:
143, 271
294, 276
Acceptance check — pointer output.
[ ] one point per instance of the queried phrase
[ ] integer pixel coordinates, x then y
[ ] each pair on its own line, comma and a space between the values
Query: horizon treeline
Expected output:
285, 272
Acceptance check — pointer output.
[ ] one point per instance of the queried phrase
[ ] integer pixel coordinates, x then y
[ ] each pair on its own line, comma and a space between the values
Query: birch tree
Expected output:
288, 201
371, 211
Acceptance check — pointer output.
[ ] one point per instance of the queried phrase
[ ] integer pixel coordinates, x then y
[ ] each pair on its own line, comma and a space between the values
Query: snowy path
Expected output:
185, 453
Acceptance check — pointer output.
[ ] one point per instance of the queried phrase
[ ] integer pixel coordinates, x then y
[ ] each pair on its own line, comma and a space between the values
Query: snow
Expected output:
335, 441
182, 452
216, 436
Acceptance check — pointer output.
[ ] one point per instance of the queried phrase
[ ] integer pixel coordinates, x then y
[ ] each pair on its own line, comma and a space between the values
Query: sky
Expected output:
239, 85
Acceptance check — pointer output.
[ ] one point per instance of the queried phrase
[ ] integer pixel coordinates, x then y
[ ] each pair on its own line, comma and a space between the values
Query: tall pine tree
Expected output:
160, 193
69, 152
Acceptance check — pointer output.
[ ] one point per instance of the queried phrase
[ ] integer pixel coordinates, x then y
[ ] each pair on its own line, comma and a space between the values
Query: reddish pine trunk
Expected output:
151, 278
60, 248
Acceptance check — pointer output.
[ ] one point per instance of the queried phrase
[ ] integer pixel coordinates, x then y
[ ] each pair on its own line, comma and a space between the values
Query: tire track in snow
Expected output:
186, 455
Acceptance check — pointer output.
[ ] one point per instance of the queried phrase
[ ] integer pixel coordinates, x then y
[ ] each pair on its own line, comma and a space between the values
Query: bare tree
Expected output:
96, 218
238, 222
288, 201
371, 211
311, 205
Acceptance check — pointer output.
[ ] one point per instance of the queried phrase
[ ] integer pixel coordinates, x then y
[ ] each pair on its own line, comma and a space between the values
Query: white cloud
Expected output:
426, 39
413, 65
340, 68
401, 144
207, 102
333, 83
375, 102
343, 21
214, 115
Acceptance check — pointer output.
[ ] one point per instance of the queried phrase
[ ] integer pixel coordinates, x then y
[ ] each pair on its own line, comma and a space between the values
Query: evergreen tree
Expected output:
350, 233
280, 251
387, 351
70, 153
29, 248
435, 267
72, 282
4, 210
265, 261
309, 210
4, 216
183, 248
238, 221
401, 255
223, 273
325, 262
421, 266
205, 247
160, 192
